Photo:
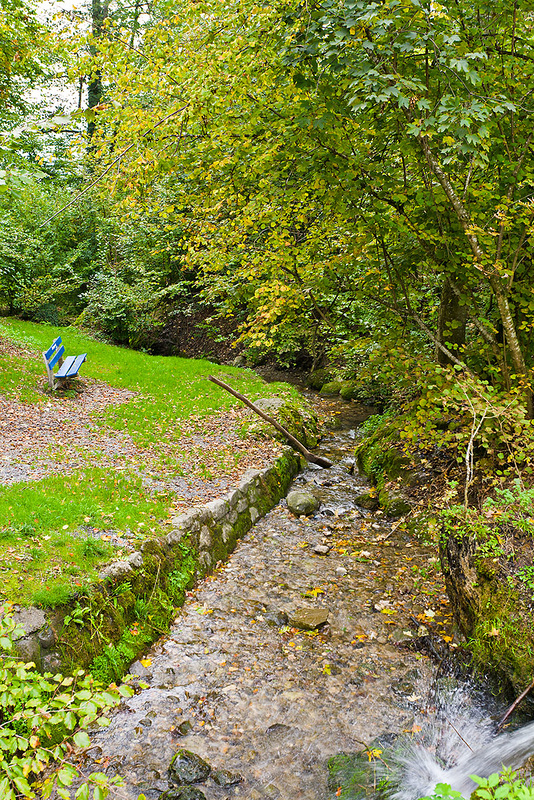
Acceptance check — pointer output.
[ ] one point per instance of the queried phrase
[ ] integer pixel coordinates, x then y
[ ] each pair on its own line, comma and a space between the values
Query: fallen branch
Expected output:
515, 704
395, 526
319, 460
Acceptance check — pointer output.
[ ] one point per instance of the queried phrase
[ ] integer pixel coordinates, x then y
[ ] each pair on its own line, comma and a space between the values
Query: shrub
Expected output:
42, 718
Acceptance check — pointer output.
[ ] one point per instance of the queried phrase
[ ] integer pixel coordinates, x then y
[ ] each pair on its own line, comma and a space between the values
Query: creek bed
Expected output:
235, 683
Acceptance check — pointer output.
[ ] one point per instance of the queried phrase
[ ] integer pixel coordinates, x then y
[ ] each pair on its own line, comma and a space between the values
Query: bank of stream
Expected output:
238, 680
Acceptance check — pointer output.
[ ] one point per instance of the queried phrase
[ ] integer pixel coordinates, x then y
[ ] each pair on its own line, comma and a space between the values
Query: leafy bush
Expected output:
506, 785
42, 718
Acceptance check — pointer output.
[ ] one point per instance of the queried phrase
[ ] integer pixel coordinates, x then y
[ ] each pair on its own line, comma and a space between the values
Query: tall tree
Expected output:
344, 149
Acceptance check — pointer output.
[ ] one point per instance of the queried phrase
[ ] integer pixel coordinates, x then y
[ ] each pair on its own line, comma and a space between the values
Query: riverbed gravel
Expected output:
238, 683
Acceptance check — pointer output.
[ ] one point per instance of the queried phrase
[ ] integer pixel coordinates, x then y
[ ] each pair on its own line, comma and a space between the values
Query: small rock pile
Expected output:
187, 769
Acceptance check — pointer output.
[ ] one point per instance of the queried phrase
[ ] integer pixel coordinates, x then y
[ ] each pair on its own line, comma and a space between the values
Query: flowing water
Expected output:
238, 684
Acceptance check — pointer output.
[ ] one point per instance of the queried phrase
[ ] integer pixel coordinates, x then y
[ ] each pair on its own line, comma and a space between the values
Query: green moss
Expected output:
332, 388
113, 663
350, 390
380, 456
487, 561
318, 378
394, 504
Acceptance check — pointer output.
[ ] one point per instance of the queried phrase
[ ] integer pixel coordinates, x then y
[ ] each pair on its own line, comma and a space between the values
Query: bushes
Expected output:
42, 718
506, 785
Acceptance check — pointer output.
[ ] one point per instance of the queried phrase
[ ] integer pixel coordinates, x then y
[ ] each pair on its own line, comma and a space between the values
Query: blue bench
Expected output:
68, 367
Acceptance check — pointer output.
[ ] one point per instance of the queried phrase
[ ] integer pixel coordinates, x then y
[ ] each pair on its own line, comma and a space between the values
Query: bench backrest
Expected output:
54, 353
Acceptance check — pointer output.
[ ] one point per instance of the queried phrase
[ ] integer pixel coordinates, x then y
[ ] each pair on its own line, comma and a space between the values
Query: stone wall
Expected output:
200, 538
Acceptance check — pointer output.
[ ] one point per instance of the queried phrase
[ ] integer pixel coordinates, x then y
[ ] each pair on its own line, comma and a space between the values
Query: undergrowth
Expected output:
44, 721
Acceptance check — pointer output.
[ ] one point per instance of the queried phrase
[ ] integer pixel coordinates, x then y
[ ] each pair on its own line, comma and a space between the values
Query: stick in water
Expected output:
515, 704
319, 460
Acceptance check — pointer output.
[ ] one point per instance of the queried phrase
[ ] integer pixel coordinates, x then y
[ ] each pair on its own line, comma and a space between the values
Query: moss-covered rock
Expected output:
356, 776
368, 500
393, 502
318, 378
331, 388
297, 418
350, 390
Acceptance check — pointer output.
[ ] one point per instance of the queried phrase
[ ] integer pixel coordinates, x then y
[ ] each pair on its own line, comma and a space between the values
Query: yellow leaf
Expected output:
146, 662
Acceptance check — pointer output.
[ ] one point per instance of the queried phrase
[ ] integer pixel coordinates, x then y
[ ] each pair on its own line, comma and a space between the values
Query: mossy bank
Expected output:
487, 559
134, 601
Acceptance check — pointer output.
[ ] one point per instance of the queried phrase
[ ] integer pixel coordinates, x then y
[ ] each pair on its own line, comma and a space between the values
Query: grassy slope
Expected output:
45, 552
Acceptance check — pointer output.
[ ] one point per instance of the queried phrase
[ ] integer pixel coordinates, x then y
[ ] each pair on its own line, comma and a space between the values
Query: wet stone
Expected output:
52, 663
47, 637
184, 727
183, 793
187, 767
301, 502
367, 500
308, 618
139, 670
224, 778
278, 729
274, 617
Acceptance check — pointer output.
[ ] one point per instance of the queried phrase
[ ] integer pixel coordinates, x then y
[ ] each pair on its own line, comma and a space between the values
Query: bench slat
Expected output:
53, 347
70, 366
78, 363
63, 371
53, 361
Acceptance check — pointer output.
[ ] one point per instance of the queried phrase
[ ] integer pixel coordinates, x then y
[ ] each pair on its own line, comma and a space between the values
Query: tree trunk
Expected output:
99, 14
514, 346
451, 324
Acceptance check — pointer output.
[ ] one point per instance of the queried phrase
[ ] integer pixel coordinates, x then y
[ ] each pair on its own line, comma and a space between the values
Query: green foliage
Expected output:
506, 785
181, 579
331, 201
114, 661
509, 510
43, 718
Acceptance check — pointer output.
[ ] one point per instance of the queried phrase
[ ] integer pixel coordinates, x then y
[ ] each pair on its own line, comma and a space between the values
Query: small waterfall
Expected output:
456, 740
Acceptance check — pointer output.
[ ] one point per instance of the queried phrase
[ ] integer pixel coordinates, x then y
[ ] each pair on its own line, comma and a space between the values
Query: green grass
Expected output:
44, 542
19, 377
170, 389
45, 554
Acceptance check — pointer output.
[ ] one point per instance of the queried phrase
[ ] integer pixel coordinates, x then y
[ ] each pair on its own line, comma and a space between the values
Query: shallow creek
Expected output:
236, 684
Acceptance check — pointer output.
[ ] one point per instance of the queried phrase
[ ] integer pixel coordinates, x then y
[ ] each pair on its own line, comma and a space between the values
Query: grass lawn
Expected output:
88, 506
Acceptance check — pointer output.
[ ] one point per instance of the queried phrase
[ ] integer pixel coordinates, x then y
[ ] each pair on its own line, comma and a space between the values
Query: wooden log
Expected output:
319, 460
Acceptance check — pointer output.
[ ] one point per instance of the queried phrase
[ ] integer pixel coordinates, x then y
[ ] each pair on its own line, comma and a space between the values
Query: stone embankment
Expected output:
153, 578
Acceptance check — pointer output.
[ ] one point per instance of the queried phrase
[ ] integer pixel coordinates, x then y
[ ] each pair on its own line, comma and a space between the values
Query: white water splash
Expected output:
457, 741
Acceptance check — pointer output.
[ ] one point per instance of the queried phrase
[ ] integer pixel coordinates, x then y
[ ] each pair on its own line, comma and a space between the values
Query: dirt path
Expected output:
63, 434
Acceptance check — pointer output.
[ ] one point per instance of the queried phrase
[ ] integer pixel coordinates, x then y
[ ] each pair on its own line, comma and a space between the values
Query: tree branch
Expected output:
115, 160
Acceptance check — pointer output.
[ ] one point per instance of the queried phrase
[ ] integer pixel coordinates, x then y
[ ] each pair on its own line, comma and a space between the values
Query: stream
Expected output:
238, 683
